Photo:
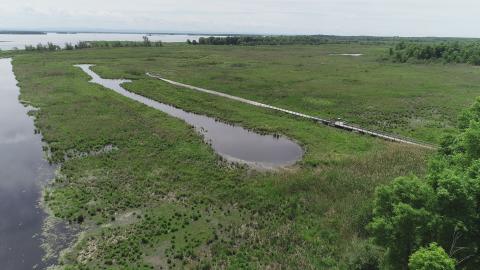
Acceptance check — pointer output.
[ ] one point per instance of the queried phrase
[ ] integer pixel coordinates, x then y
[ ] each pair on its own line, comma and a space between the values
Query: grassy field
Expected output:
415, 100
163, 198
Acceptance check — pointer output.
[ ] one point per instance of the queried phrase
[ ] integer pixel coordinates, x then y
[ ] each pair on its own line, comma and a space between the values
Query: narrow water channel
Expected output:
23, 170
233, 143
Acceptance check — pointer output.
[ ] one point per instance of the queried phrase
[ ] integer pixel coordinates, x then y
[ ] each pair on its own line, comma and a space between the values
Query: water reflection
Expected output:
23, 169
234, 143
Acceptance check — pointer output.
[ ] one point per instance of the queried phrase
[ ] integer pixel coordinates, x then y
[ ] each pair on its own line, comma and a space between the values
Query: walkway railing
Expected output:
332, 123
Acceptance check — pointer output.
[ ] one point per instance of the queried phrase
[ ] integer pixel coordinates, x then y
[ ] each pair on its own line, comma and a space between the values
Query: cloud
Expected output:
346, 17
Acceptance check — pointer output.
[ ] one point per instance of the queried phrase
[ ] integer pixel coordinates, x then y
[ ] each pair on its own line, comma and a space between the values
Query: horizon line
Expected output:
206, 33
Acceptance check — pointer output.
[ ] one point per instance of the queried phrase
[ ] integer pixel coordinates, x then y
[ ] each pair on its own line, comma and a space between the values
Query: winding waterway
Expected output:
233, 143
23, 171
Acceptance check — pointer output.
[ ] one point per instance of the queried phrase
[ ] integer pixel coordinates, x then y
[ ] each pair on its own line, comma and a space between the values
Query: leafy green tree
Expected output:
402, 221
432, 257
443, 208
448, 52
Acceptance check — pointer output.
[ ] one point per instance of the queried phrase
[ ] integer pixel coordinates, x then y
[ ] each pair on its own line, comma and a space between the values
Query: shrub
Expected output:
447, 52
432, 257
69, 46
410, 212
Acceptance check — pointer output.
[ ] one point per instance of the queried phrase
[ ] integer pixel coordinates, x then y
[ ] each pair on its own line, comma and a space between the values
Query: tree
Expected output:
68, 46
432, 257
447, 52
402, 219
443, 208
146, 41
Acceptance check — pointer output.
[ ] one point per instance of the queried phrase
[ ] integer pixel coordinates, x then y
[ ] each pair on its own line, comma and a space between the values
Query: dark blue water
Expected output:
23, 170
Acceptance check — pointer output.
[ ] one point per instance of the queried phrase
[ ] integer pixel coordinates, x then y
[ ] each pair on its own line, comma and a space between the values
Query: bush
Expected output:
410, 212
69, 46
447, 52
365, 256
432, 257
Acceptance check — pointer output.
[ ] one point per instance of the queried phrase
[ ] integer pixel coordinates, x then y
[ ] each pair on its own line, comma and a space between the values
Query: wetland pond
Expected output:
346, 54
23, 171
233, 143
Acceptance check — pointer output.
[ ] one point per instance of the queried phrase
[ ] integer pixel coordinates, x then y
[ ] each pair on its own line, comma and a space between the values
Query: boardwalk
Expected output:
336, 124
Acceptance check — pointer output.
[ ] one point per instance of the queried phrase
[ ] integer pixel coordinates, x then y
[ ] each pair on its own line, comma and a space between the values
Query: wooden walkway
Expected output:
336, 124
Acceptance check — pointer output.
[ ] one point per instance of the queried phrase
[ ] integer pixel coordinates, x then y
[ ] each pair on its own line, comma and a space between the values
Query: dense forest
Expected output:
252, 40
433, 222
447, 52
287, 40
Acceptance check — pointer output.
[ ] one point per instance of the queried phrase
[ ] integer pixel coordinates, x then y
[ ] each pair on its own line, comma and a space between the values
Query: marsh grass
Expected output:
191, 209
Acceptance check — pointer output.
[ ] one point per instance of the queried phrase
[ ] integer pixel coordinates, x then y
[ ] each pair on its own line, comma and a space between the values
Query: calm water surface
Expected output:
8, 42
234, 143
23, 169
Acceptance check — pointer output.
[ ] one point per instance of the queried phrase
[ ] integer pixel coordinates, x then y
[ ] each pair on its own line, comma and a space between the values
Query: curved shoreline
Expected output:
25, 173
231, 142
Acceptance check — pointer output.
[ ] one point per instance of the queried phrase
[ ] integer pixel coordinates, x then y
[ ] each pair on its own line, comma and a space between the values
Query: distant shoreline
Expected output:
8, 32
22, 33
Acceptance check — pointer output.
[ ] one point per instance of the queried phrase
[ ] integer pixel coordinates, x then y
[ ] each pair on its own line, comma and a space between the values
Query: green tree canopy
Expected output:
402, 219
444, 207
432, 257
449, 52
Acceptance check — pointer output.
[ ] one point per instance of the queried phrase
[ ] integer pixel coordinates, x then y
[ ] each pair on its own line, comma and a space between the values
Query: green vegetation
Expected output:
94, 44
431, 258
451, 52
9, 32
443, 207
420, 101
40, 47
255, 40
415, 100
287, 40
116, 44
162, 198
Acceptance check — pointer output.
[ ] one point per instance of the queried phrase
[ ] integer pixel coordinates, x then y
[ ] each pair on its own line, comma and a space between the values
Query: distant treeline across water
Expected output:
94, 44
286, 40
252, 40
22, 33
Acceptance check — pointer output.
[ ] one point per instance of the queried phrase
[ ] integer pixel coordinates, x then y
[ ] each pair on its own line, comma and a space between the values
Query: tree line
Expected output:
94, 44
286, 40
447, 52
433, 222
10, 32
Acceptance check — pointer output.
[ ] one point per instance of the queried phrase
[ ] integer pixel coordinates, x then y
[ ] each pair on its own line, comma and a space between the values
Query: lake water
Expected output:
233, 143
23, 170
9, 42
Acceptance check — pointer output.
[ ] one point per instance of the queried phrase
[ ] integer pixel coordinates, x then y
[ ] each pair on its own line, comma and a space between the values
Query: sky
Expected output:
339, 17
